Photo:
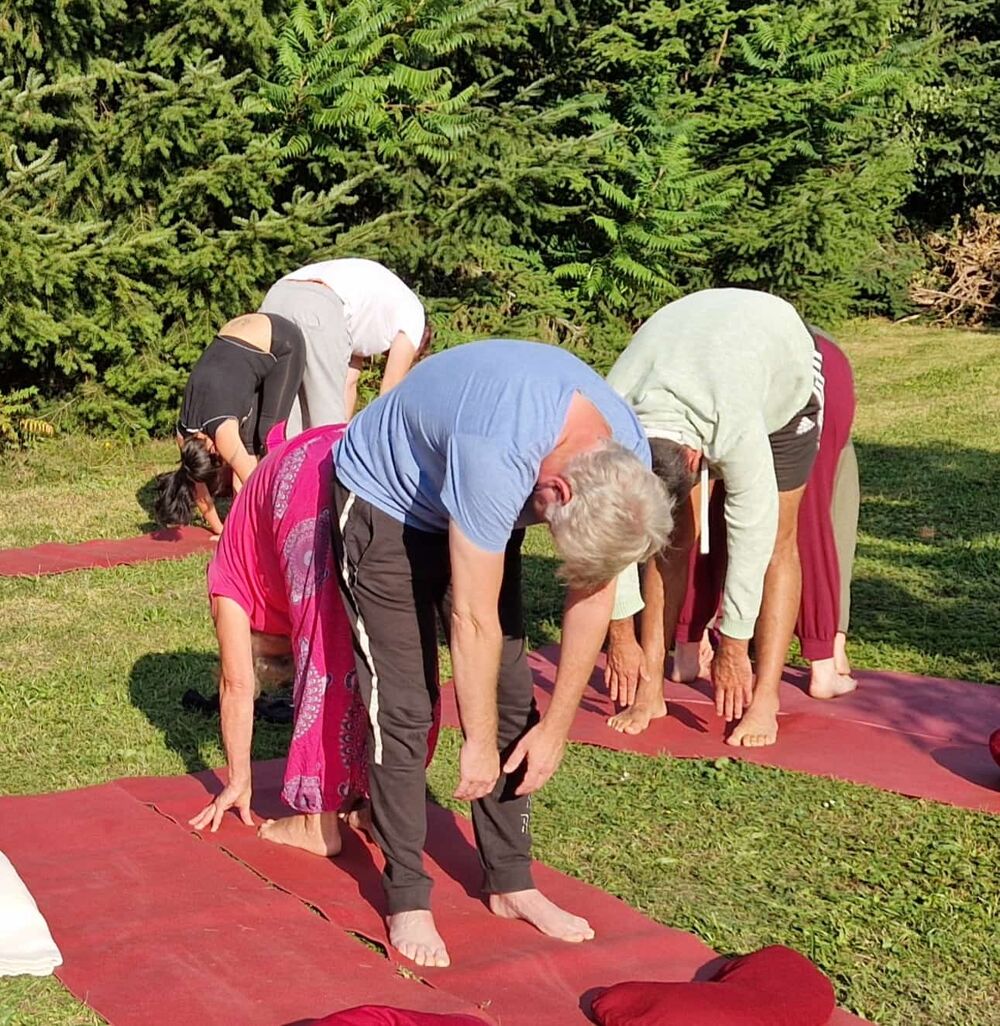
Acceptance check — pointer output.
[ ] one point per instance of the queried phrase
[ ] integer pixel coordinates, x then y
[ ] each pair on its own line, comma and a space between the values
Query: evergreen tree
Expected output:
141, 209
958, 113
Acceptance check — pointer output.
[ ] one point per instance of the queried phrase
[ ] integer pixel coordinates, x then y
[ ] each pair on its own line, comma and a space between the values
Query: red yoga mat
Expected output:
505, 968
917, 736
59, 558
157, 927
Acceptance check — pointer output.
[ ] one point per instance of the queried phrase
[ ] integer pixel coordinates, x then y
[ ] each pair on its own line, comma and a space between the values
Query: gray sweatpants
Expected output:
396, 583
319, 314
844, 513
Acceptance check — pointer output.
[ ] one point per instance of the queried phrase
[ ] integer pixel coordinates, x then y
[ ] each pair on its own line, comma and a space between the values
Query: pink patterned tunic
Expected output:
275, 561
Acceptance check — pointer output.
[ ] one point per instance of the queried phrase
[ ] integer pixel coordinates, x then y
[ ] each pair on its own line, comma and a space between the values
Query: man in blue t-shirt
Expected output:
435, 482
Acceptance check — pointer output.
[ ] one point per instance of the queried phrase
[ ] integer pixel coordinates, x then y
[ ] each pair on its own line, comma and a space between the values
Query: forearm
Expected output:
206, 507
350, 398
475, 657
751, 511
243, 466
585, 623
622, 632
236, 715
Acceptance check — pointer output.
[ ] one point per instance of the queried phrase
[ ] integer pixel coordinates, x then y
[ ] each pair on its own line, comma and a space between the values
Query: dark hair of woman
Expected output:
671, 467
175, 490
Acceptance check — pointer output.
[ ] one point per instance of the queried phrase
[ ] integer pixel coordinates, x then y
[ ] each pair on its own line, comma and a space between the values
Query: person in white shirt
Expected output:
349, 310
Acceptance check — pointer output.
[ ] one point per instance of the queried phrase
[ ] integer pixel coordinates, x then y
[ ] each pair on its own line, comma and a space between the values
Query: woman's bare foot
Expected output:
687, 662
359, 818
636, 718
534, 908
759, 726
318, 833
826, 682
414, 935
840, 660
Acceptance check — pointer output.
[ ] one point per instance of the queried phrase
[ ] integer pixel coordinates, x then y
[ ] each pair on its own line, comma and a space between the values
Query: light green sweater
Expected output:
718, 371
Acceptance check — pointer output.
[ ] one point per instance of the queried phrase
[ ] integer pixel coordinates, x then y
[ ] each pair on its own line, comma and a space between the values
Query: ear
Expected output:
693, 457
557, 487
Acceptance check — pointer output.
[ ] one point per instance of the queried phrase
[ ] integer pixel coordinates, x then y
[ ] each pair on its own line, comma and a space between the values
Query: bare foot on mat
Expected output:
826, 682
635, 719
759, 726
359, 818
840, 660
318, 833
414, 935
687, 662
533, 907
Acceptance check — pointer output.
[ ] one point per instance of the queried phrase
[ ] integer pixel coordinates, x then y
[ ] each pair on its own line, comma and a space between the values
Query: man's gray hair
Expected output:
619, 513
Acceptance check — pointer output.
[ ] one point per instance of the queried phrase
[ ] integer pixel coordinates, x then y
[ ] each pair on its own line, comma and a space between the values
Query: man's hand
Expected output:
732, 677
479, 770
626, 664
543, 749
235, 795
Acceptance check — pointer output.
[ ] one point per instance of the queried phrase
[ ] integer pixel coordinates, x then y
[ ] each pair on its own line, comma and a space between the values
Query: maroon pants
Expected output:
820, 607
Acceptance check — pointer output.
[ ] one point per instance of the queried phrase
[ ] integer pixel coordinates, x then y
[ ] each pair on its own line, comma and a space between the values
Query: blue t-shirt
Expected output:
462, 437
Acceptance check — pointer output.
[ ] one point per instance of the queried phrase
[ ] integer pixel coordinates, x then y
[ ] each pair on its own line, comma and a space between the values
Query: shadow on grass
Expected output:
928, 579
543, 594
921, 493
156, 684
145, 495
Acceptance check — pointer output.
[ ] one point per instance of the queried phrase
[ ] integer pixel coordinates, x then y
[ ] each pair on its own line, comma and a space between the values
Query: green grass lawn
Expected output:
895, 899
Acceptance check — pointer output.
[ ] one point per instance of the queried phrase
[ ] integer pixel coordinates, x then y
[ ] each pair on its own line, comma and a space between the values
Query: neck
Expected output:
583, 430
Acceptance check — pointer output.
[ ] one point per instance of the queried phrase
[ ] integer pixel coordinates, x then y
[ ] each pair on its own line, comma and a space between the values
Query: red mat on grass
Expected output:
157, 927
120, 897
60, 558
918, 736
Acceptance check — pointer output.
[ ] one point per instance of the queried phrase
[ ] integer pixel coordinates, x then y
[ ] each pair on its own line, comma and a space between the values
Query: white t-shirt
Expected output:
377, 305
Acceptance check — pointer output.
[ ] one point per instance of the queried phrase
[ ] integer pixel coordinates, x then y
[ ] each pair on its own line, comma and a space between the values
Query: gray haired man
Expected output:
433, 484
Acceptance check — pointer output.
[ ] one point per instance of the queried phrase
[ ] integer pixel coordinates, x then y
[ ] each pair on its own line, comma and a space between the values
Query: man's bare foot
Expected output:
826, 682
759, 726
318, 833
534, 908
414, 936
686, 662
635, 719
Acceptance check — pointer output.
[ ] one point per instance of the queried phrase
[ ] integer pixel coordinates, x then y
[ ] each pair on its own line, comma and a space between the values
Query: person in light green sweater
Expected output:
728, 381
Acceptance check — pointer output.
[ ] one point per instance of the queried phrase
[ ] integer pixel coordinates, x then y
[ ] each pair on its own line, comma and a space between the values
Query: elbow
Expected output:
469, 626
237, 686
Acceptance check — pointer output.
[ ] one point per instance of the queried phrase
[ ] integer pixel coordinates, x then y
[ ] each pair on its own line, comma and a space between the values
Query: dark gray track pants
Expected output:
396, 582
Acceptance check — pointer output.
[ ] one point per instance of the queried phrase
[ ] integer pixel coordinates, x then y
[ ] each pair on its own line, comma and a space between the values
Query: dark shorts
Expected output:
794, 446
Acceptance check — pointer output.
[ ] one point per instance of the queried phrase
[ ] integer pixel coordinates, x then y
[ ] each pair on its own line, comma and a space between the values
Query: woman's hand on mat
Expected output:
626, 666
732, 678
479, 770
234, 795
542, 749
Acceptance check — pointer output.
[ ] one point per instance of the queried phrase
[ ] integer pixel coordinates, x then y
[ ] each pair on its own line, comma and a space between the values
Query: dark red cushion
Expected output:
383, 1015
772, 987
995, 746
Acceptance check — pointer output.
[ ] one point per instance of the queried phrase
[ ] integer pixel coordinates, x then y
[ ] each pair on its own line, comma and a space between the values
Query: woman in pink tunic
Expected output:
273, 585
